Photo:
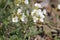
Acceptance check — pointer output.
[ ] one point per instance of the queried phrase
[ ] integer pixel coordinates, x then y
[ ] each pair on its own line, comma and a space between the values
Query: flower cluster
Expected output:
20, 16
22, 1
37, 14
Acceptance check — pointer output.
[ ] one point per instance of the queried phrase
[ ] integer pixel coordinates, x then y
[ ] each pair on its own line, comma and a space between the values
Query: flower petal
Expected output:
58, 6
26, 2
15, 19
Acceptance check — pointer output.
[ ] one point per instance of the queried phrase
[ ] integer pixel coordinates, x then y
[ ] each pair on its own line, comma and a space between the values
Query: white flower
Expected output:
15, 19
23, 17
35, 19
44, 11
42, 16
41, 20
58, 6
19, 11
17, 4
26, 2
40, 13
32, 13
38, 5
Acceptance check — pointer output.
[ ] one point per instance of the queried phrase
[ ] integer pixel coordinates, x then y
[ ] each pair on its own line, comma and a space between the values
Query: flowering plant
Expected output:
19, 18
